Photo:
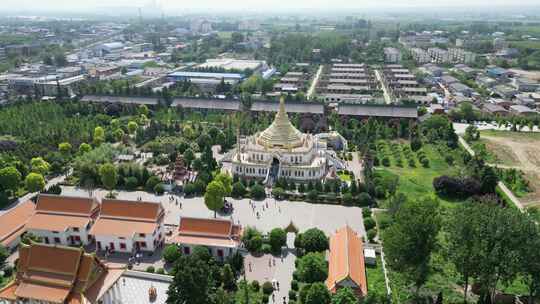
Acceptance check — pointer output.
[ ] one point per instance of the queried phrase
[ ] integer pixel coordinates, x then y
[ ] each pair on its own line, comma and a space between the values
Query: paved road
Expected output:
314, 83
356, 166
271, 268
387, 97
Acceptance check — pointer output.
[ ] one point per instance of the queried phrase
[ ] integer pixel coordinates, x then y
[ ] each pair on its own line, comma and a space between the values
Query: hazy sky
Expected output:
14, 5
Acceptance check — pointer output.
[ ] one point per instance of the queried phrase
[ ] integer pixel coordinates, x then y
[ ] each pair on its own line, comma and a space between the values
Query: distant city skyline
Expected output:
274, 5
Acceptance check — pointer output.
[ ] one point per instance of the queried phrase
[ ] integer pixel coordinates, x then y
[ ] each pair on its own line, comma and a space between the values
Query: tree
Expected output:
530, 257
171, 253
257, 192
226, 180
38, 165
84, 148
109, 176
4, 254
34, 182
10, 178
252, 239
118, 134
213, 198
189, 156
99, 136
462, 248
227, 277
277, 239
238, 190
412, 237
318, 294
312, 268
344, 296
314, 240
132, 127
64, 148
192, 282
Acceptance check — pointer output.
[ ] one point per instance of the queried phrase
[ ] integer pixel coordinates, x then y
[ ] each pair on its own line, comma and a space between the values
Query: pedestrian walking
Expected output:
277, 284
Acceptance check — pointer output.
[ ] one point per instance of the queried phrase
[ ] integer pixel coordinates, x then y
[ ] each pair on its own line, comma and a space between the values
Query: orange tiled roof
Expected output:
35, 291
126, 218
54, 274
131, 209
209, 232
346, 260
14, 220
8, 292
58, 213
56, 222
66, 204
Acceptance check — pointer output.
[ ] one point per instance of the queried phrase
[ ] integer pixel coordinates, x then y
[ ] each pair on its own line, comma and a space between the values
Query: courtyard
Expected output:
271, 213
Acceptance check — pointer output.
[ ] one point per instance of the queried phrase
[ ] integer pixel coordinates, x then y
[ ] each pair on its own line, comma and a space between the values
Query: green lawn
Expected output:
418, 181
375, 278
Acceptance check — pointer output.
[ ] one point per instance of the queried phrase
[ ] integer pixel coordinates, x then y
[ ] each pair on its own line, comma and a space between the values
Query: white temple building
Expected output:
283, 151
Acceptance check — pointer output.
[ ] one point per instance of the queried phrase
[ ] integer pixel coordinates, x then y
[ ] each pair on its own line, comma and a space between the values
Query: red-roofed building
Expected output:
13, 224
63, 220
129, 226
346, 266
56, 274
220, 236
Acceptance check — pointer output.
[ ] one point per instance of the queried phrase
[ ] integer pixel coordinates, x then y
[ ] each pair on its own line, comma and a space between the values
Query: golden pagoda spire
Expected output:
281, 132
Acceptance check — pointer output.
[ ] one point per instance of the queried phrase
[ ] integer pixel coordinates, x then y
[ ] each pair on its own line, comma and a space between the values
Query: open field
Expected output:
519, 150
417, 181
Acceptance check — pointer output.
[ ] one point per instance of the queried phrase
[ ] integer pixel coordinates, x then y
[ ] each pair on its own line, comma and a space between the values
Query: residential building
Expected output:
2, 53
129, 226
522, 110
496, 72
439, 55
504, 91
220, 236
63, 220
525, 85
495, 109
392, 55
346, 266
54, 274
499, 44
13, 224
462, 89
460, 55
448, 80
420, 56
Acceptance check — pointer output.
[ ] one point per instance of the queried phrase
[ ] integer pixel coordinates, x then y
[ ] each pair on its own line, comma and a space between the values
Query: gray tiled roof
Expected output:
290, 107
212, 104
378, 111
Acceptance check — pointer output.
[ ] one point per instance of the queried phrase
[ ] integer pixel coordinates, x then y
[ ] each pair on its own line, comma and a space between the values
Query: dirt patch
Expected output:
520, 152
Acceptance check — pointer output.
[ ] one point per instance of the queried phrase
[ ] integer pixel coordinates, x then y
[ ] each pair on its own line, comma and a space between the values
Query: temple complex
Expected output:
283, 151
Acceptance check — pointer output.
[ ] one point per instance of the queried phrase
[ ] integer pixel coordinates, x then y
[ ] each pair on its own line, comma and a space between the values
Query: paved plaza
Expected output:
271, 213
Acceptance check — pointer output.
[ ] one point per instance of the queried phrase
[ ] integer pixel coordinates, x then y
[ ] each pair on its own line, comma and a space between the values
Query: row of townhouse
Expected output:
403, 85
